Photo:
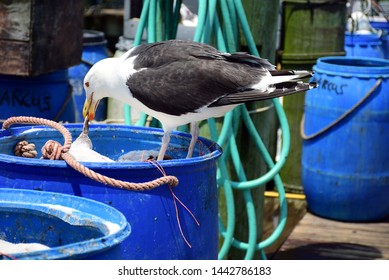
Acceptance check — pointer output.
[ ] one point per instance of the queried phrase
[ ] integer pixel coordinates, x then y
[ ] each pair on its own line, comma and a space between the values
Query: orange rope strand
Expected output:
54, 151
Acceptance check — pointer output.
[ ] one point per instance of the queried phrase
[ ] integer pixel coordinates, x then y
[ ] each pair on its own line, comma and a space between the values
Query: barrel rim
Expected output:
367, 39
356, 66
215, 150
98, 213
93, 37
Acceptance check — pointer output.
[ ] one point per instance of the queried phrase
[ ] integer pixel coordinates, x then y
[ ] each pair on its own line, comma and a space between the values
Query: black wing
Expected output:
276, 90
182, 76
179, 88
161, 53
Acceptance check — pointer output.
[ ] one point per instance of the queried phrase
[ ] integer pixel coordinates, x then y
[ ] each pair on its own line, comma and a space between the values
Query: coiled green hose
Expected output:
161, 20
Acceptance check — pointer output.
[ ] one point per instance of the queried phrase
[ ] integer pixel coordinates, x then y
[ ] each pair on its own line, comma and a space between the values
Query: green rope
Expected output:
227, 233
220, 42
202, 14
210, 20
230, 31
234, 20
246, 28
261, 147
151, 25
142, 22
250, 208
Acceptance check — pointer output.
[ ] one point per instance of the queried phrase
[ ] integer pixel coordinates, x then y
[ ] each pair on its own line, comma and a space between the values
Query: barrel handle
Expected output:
68, 98
342, 117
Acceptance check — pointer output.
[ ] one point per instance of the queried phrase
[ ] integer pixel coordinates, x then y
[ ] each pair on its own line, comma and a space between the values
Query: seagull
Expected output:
183, 82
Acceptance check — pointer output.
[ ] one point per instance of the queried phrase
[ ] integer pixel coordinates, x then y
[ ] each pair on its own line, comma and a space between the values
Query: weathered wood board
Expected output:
318, 238
39, 36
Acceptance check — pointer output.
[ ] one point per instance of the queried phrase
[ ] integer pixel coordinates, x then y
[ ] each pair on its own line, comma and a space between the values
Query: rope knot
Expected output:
52, 150
25, 149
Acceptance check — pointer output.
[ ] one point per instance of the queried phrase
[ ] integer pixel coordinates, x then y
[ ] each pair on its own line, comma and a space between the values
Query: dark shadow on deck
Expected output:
330, 251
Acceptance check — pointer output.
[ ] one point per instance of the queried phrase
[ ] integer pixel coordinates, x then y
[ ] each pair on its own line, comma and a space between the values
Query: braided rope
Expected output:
53, 150
25, 149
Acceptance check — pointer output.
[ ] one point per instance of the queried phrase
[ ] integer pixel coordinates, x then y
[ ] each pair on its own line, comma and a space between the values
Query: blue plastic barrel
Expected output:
345, 163
365, 45
46, 96
383, 25
151, 214
94, 49
69, 227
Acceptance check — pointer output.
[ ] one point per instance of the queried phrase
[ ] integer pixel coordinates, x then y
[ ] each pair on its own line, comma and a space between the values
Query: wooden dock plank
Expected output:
296, 211
318, 238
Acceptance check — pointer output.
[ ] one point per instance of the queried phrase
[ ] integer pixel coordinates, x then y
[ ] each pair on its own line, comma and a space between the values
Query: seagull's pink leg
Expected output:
194, 130
165, 144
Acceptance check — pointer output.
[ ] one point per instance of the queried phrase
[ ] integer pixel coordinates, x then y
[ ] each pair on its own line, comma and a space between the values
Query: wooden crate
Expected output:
39, 36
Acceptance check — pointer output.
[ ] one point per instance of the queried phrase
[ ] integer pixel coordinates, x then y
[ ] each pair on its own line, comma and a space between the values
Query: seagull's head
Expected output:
97, 86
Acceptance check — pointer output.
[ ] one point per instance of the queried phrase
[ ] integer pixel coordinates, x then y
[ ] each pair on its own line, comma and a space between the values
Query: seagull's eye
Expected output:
87, 84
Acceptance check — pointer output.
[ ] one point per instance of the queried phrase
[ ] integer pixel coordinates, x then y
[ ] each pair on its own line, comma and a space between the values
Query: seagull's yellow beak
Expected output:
90, 107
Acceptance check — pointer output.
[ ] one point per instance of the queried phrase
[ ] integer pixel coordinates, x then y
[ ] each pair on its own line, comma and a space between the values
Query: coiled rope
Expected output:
53, 150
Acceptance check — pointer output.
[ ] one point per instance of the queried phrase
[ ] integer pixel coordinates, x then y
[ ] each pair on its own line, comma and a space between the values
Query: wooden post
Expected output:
39, 36
310, 29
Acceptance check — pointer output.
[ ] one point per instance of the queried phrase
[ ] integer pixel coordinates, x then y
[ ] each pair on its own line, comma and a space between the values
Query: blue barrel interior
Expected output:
152, 214
345, 171
73, 227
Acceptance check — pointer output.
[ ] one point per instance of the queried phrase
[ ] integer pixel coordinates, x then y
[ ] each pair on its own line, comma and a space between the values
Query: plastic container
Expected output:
46, 96
382, 24
72, 227
345, 168
364, 45
94, 49
152, 214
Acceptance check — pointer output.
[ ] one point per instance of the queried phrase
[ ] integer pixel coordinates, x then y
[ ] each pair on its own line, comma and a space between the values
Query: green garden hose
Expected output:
160, 18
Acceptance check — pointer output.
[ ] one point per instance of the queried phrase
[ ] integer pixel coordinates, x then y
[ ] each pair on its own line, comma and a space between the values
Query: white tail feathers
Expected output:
277, 77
